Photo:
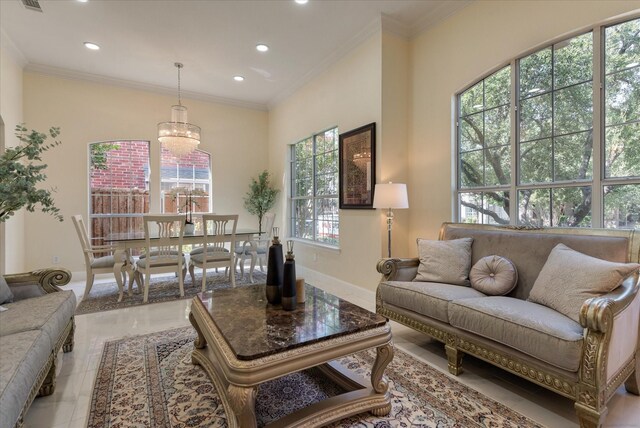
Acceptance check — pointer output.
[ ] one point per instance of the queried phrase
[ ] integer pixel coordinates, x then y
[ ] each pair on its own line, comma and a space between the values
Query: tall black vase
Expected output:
289, 281
275, 270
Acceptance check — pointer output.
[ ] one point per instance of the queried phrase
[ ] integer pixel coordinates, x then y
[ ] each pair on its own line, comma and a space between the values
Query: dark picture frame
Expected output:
357, 167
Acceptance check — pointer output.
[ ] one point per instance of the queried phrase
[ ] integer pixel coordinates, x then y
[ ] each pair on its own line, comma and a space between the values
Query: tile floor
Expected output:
69, 405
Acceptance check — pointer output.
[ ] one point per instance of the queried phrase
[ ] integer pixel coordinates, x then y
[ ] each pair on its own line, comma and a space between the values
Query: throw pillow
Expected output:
568, 278
494, 276
444, 261
6, 296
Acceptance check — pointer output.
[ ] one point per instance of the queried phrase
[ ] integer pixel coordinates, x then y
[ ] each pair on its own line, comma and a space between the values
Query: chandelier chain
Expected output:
179, 66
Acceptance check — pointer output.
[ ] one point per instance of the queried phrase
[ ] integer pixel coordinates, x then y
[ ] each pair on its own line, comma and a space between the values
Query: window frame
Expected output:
314, 196
598, 182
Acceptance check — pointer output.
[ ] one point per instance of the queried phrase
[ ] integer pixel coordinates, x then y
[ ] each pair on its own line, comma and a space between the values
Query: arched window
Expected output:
553, 139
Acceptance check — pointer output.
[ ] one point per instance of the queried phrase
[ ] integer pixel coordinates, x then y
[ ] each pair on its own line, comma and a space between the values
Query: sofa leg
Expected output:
632, 384
590, 417
49, 384
454, 356
67, 346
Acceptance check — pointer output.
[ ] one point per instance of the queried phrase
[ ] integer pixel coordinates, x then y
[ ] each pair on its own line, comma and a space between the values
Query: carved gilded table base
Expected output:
237, 381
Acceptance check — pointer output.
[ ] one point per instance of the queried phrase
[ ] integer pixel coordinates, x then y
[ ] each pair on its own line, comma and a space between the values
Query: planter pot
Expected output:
189, 228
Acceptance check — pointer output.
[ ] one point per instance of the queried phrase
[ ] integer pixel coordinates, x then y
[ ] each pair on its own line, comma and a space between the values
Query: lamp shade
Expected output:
391, 195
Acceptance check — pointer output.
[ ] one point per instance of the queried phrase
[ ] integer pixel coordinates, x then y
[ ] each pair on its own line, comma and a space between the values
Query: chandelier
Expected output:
179, 136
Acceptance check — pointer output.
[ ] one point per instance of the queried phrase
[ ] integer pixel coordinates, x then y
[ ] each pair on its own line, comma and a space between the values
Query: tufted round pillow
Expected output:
494, 276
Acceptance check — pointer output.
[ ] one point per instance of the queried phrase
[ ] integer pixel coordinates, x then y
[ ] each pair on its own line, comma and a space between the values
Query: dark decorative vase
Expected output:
275, 270
289, 280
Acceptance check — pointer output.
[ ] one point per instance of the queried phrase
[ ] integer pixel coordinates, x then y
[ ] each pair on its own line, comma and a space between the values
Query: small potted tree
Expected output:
261, 197
20, 172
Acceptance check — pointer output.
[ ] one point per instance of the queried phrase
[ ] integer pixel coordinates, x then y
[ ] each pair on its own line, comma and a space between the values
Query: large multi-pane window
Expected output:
314, 188
537, 131
119, 186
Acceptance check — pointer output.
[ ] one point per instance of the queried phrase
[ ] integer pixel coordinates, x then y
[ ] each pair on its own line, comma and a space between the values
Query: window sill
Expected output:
312, 244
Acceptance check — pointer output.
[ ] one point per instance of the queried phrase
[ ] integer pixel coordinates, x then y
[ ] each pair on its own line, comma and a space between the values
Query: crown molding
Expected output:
441, 12
396, 27
11, 47
96, 78
369, 30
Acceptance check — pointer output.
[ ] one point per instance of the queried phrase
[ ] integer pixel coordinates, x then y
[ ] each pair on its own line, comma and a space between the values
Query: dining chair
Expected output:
163, 234
219, 231
93, 264
256, 249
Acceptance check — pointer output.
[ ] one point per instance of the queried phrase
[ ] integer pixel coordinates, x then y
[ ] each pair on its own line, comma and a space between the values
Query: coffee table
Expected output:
243, 341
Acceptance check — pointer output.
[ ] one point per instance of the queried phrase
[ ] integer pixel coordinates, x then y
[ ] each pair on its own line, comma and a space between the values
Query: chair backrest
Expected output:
218, 230
85, 243
163, 234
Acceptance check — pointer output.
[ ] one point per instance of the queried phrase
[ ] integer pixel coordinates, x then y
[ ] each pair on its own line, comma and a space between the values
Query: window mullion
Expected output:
515, 149
597, 206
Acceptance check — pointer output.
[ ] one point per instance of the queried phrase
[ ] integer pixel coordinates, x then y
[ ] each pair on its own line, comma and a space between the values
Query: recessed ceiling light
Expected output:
238, 78
302, 1
91, 46
83, 1
262, 48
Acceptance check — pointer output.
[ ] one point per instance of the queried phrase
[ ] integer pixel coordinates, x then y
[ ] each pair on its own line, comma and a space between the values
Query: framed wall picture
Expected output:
357, 166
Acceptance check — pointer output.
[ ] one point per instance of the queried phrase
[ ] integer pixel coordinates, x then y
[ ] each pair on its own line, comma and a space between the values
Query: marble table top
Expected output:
253, 328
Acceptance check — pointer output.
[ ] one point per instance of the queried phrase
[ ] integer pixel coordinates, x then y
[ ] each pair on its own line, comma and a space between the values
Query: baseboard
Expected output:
329, 283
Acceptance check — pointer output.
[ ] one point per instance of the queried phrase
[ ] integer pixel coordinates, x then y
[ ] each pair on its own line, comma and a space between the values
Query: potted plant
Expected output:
261, 197
21, 169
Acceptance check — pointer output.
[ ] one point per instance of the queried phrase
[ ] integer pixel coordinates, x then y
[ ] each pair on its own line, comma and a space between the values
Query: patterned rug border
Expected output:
467, 398
104, 296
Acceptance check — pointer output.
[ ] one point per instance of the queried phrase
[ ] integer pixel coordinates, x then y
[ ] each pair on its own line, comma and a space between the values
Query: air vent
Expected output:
32, 4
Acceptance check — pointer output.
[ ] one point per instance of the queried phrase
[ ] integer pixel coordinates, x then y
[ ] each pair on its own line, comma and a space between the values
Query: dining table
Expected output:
124, 242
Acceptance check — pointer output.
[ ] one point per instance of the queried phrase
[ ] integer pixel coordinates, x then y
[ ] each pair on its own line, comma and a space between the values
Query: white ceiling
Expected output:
141, 39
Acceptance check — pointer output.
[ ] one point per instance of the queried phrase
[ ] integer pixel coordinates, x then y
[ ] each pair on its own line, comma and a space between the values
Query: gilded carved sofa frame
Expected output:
47, 281
591, 391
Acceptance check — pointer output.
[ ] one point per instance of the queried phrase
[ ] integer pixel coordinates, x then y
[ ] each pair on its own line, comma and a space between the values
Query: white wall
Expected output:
455, 53
88, 112
12, 245
347, 95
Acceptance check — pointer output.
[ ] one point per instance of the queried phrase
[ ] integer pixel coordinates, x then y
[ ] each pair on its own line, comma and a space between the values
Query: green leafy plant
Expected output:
21, 169
98, 154
261, 197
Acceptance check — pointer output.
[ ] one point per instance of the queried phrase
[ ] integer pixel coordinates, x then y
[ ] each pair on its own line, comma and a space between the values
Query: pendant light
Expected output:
179, 136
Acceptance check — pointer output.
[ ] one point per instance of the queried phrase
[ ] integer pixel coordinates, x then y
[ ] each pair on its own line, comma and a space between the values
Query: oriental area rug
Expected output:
149, 381
104, 297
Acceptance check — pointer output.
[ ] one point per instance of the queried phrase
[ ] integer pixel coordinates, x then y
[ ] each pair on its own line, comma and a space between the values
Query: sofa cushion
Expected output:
444, 261
6, 296
494, 276
528, 327
568, 278
22, 358
50, 313
425, 298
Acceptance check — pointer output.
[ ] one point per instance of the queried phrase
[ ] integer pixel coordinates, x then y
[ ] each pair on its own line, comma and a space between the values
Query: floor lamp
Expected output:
390, 196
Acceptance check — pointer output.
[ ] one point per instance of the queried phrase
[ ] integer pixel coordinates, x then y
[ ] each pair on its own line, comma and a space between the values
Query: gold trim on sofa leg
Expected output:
49, 383
454, 356
69, 341
632, 384
589, 417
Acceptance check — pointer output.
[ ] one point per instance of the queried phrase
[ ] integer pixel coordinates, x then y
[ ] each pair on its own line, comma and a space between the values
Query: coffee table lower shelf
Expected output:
237, 380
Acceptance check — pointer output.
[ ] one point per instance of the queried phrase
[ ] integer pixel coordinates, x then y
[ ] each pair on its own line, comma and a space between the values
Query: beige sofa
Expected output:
35, 325
584, 361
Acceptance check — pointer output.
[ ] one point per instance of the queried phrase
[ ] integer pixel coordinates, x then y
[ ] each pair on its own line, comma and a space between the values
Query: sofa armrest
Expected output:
398, 269
612, 335
596, 312
37, 282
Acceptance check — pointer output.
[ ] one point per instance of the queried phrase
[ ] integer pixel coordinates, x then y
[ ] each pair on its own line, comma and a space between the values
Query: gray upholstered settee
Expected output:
38, 322
584, 361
